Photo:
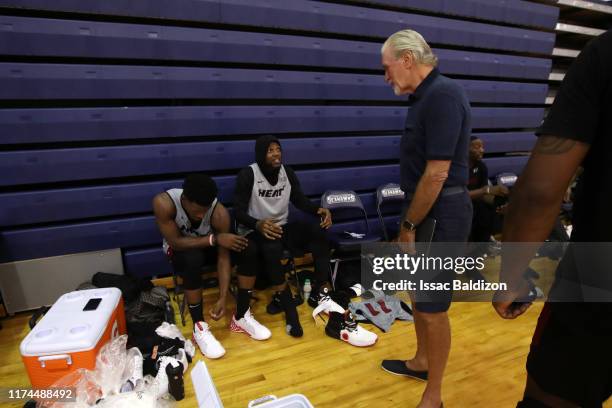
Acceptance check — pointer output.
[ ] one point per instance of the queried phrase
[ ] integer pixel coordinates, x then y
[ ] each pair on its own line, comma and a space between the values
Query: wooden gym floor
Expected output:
485, 369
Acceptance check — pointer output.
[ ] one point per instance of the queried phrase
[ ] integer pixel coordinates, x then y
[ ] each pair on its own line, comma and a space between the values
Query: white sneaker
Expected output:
342, 326
182, 357
326, 305
133, 367
209, 346
162, 378
247, 324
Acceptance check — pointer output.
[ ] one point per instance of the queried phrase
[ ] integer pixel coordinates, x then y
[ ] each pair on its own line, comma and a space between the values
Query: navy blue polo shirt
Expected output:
437, 128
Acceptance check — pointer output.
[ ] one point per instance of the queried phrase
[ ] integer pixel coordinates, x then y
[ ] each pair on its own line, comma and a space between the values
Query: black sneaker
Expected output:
275, 307
398, 367
340, 298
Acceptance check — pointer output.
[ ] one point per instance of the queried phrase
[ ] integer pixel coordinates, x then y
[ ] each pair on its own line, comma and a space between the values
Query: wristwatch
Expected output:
409, 225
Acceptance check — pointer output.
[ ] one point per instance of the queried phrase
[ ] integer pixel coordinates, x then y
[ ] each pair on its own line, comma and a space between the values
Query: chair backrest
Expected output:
506, 179
387, 193
335, 200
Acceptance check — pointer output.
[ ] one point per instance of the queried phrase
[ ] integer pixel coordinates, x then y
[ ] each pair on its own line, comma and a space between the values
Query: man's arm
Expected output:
164, 211
534, 205
298, 198
427, 190
220, 222
242, 196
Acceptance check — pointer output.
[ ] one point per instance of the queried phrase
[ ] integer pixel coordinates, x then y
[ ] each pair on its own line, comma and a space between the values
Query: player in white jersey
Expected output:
192, 222
263, 193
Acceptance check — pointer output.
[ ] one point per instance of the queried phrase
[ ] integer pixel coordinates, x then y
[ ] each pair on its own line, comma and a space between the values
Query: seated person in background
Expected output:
485, 221
263, 192
193, 222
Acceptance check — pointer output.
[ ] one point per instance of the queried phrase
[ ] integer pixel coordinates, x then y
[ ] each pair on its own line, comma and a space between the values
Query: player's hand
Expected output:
510, 304
232, 242
326, 217
269, 228
218, 309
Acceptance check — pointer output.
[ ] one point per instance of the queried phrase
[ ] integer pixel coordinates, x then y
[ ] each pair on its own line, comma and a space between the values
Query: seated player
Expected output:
263, 193
486, 220
193, 222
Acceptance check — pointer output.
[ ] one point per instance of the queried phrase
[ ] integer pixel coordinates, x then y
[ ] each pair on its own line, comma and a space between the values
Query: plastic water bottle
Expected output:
307, 288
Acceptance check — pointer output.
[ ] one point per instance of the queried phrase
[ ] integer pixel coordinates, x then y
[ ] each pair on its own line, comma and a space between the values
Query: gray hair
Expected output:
409, 41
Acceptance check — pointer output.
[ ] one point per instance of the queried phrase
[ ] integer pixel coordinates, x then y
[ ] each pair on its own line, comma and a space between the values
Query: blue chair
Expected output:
390, 196
347, 204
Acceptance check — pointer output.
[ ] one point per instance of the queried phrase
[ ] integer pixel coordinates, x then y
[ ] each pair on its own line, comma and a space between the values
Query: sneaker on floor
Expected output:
166, 384
275, 307
182, 357
316, 295
247, 324
398, 367
326, 305
343, 326
206, 341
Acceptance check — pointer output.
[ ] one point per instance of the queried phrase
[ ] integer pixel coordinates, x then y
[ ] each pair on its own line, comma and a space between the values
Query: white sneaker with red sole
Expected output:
248, 325
206, 341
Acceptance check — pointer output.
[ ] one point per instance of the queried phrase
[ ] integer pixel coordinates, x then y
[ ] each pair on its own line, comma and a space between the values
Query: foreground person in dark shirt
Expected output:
570, 360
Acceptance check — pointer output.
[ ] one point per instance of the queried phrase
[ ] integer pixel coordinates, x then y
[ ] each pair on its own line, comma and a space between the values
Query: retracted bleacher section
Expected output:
103, 104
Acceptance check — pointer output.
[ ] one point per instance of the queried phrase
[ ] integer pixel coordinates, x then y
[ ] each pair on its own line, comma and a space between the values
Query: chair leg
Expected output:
182, 307
336, 263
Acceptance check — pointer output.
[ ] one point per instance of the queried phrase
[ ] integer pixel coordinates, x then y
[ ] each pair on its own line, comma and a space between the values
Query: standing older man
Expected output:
434, 174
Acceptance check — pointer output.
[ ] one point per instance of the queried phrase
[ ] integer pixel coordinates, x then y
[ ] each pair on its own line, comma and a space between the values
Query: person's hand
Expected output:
501, 209
232, 242
269, 228
499, 190
510, 304
218, 309
326, 217
406, 239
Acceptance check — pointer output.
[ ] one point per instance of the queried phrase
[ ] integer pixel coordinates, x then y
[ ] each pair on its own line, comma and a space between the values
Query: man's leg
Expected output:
438, 342
272, 252
310, 236
248, 267
249, 263
419, 361
188, 265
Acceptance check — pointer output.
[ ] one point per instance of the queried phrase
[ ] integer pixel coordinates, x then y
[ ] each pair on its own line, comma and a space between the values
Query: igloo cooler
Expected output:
71, 333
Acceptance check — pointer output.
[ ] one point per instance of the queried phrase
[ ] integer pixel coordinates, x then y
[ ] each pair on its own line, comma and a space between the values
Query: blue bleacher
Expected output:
50, 205
515, 12
63, 81
98, 116
84, 124
319, 17
51, 37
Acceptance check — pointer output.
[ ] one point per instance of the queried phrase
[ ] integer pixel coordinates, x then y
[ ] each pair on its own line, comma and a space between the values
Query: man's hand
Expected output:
406, 238
269, 228
218, 310
499, 190
326, 217
502, 209
232, 242
510, 304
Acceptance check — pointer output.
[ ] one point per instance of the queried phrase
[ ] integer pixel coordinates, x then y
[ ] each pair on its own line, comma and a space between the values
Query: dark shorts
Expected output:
572, 358
453, 215
189, 264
